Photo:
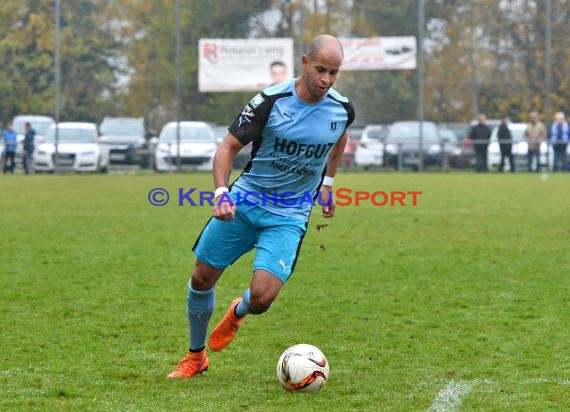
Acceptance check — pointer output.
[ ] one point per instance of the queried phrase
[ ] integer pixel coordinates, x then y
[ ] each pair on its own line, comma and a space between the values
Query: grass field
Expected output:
459, 303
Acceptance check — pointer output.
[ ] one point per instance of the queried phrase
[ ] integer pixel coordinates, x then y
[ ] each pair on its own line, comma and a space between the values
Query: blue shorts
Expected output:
277, 240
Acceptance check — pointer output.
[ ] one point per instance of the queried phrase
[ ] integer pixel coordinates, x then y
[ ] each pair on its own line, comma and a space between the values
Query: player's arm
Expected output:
246, 128
223, 161
332, 164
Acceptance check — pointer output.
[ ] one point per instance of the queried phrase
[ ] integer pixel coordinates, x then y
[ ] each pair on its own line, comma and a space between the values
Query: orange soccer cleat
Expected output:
192, 364
225, 331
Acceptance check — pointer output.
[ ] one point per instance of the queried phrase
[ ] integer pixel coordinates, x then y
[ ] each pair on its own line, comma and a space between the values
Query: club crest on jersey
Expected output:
256, 101
333, 126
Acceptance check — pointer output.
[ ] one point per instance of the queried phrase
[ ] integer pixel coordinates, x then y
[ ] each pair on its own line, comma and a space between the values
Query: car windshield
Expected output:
188, 133
120, 126
376, 133
446, 134
410, 133
40, 126
74, 135
517, 135
220, 131
355, 132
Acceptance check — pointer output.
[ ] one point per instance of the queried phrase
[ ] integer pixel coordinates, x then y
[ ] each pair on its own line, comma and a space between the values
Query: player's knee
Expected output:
204, 276
259, 303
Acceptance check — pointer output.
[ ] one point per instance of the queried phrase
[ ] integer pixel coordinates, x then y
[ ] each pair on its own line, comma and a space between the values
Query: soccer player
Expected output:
298, 129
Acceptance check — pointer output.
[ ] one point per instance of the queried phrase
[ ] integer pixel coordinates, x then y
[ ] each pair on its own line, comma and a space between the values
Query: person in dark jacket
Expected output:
28, 147
506, 145
480, 135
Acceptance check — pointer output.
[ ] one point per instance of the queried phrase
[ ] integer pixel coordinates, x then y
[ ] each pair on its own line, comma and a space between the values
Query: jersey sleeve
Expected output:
250, 123
350, 112
349, 108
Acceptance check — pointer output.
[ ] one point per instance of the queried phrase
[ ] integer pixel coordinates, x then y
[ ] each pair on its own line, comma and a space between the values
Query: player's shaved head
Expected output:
324, 43
321, 65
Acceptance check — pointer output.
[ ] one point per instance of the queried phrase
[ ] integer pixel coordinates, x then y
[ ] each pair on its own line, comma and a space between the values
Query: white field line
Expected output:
449, 399
553, 381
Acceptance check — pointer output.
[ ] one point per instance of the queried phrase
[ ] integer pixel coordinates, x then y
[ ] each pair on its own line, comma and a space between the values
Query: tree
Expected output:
148, 38
490, 56
27, 58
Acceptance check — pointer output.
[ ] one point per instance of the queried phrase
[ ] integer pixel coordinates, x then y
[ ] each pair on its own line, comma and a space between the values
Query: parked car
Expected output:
39, 123
347, 159
402, 146
128, 139
243, 156
370, 148
78, 149
452, 147
220, 132
355, 132
197, 147
519, 149
462, 133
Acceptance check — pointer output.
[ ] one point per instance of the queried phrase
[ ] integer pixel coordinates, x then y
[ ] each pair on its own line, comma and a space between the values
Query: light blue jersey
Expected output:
292, 141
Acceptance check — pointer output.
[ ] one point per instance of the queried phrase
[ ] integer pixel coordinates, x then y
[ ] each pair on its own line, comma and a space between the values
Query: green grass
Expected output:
471, 285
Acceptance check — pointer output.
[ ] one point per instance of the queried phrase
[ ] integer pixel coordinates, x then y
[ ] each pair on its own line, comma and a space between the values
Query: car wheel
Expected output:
101, 169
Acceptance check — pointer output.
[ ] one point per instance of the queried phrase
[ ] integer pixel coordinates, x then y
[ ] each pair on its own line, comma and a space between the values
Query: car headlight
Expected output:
91, 153
391, 149
521, 149
41, 153
163, 149
434, 149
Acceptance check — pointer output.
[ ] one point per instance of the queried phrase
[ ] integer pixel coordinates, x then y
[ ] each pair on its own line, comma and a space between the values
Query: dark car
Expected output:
243, 156
455, 134
402, 146
128, 140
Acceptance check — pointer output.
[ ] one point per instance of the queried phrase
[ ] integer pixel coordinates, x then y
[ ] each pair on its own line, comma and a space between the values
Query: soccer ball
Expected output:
303, 368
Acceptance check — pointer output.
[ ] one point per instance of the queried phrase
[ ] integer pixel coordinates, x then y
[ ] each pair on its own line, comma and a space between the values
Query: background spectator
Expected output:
28, 147
559, 140
506, 144
480, 135
10, 143
534, 135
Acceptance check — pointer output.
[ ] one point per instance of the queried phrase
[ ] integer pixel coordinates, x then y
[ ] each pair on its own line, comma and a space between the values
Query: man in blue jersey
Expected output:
10, 145
298, 133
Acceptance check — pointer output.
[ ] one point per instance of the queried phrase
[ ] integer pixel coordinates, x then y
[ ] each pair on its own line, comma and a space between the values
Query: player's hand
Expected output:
328, 201
224, 210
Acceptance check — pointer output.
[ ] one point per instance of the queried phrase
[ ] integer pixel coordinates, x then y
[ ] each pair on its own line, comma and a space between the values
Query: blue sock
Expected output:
200, 309
243, 308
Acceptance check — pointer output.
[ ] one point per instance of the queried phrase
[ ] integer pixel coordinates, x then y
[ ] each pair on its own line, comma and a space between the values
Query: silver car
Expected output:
196, 147
402, 148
